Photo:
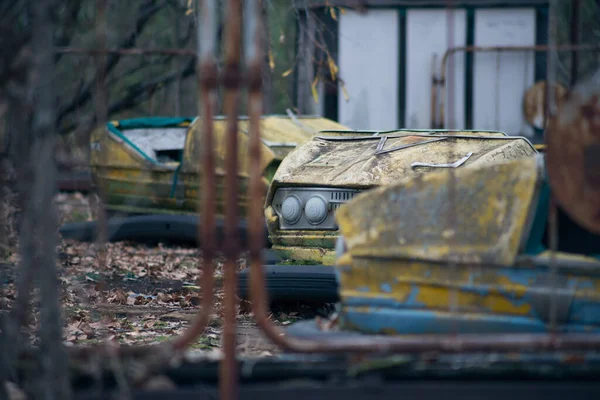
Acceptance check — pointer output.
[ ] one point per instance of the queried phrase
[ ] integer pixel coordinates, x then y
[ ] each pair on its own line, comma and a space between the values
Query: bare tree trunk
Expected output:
56, 382
19, 140
101, 118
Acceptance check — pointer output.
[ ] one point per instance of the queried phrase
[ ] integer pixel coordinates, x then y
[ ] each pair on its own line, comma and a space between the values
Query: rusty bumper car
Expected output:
146, 171
433, 256
329, 170
150, 165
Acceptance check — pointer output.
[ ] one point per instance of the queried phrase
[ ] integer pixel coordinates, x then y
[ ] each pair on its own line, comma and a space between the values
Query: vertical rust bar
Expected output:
575, 7
205, 147
231, 81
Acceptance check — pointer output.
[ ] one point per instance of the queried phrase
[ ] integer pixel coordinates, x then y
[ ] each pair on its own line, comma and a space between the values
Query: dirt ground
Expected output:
142, 294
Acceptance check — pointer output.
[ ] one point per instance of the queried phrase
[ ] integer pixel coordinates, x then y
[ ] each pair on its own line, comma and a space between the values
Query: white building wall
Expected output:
368, 62
426, 36
501, 79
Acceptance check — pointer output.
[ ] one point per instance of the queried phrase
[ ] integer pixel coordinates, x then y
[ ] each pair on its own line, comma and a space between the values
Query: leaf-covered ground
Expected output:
141, 294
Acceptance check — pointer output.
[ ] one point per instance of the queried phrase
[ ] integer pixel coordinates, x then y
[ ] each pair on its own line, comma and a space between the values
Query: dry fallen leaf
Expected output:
88, 331
164, 298
119, 297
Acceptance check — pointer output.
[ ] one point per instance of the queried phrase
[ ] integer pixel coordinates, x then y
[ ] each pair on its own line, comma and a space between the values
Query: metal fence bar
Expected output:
231, 82
207, 78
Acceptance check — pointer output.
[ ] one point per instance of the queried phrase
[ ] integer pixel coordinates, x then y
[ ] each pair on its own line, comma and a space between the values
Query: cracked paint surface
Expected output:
395, 276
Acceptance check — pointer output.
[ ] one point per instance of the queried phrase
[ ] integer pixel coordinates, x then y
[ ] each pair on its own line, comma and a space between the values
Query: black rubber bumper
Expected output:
151, 228
310, 283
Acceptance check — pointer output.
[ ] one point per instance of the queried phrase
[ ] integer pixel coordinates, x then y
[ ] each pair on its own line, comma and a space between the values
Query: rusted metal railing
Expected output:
438, 111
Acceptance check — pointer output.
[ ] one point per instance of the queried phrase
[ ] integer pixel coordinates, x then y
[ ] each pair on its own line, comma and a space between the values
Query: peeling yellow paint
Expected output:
410, 218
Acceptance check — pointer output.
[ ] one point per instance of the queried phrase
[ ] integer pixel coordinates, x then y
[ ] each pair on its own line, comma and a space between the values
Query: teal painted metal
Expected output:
153, 122
412, 322
175, 179
534, 244
113, 129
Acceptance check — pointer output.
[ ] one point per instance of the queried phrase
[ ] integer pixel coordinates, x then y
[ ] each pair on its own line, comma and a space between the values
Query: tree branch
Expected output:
68, 26
138, 93
147, 10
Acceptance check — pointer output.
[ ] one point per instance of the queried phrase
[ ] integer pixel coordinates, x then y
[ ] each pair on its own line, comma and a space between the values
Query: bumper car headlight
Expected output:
291, 209
316, 210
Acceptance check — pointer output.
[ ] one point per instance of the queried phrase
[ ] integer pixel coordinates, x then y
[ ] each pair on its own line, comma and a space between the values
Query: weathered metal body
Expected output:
334, 169
399, 241
150, 165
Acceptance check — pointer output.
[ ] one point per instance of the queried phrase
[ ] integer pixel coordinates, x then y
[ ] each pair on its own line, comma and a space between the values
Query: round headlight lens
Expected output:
291, 209
315, 210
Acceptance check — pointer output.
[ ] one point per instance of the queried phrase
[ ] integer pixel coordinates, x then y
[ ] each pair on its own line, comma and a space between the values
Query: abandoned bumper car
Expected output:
314, 180
146, 172
150, 165
464, 252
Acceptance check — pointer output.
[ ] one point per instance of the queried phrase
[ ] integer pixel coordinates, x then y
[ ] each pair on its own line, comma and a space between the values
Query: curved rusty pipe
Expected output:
440, 123
207, 37
207, 204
